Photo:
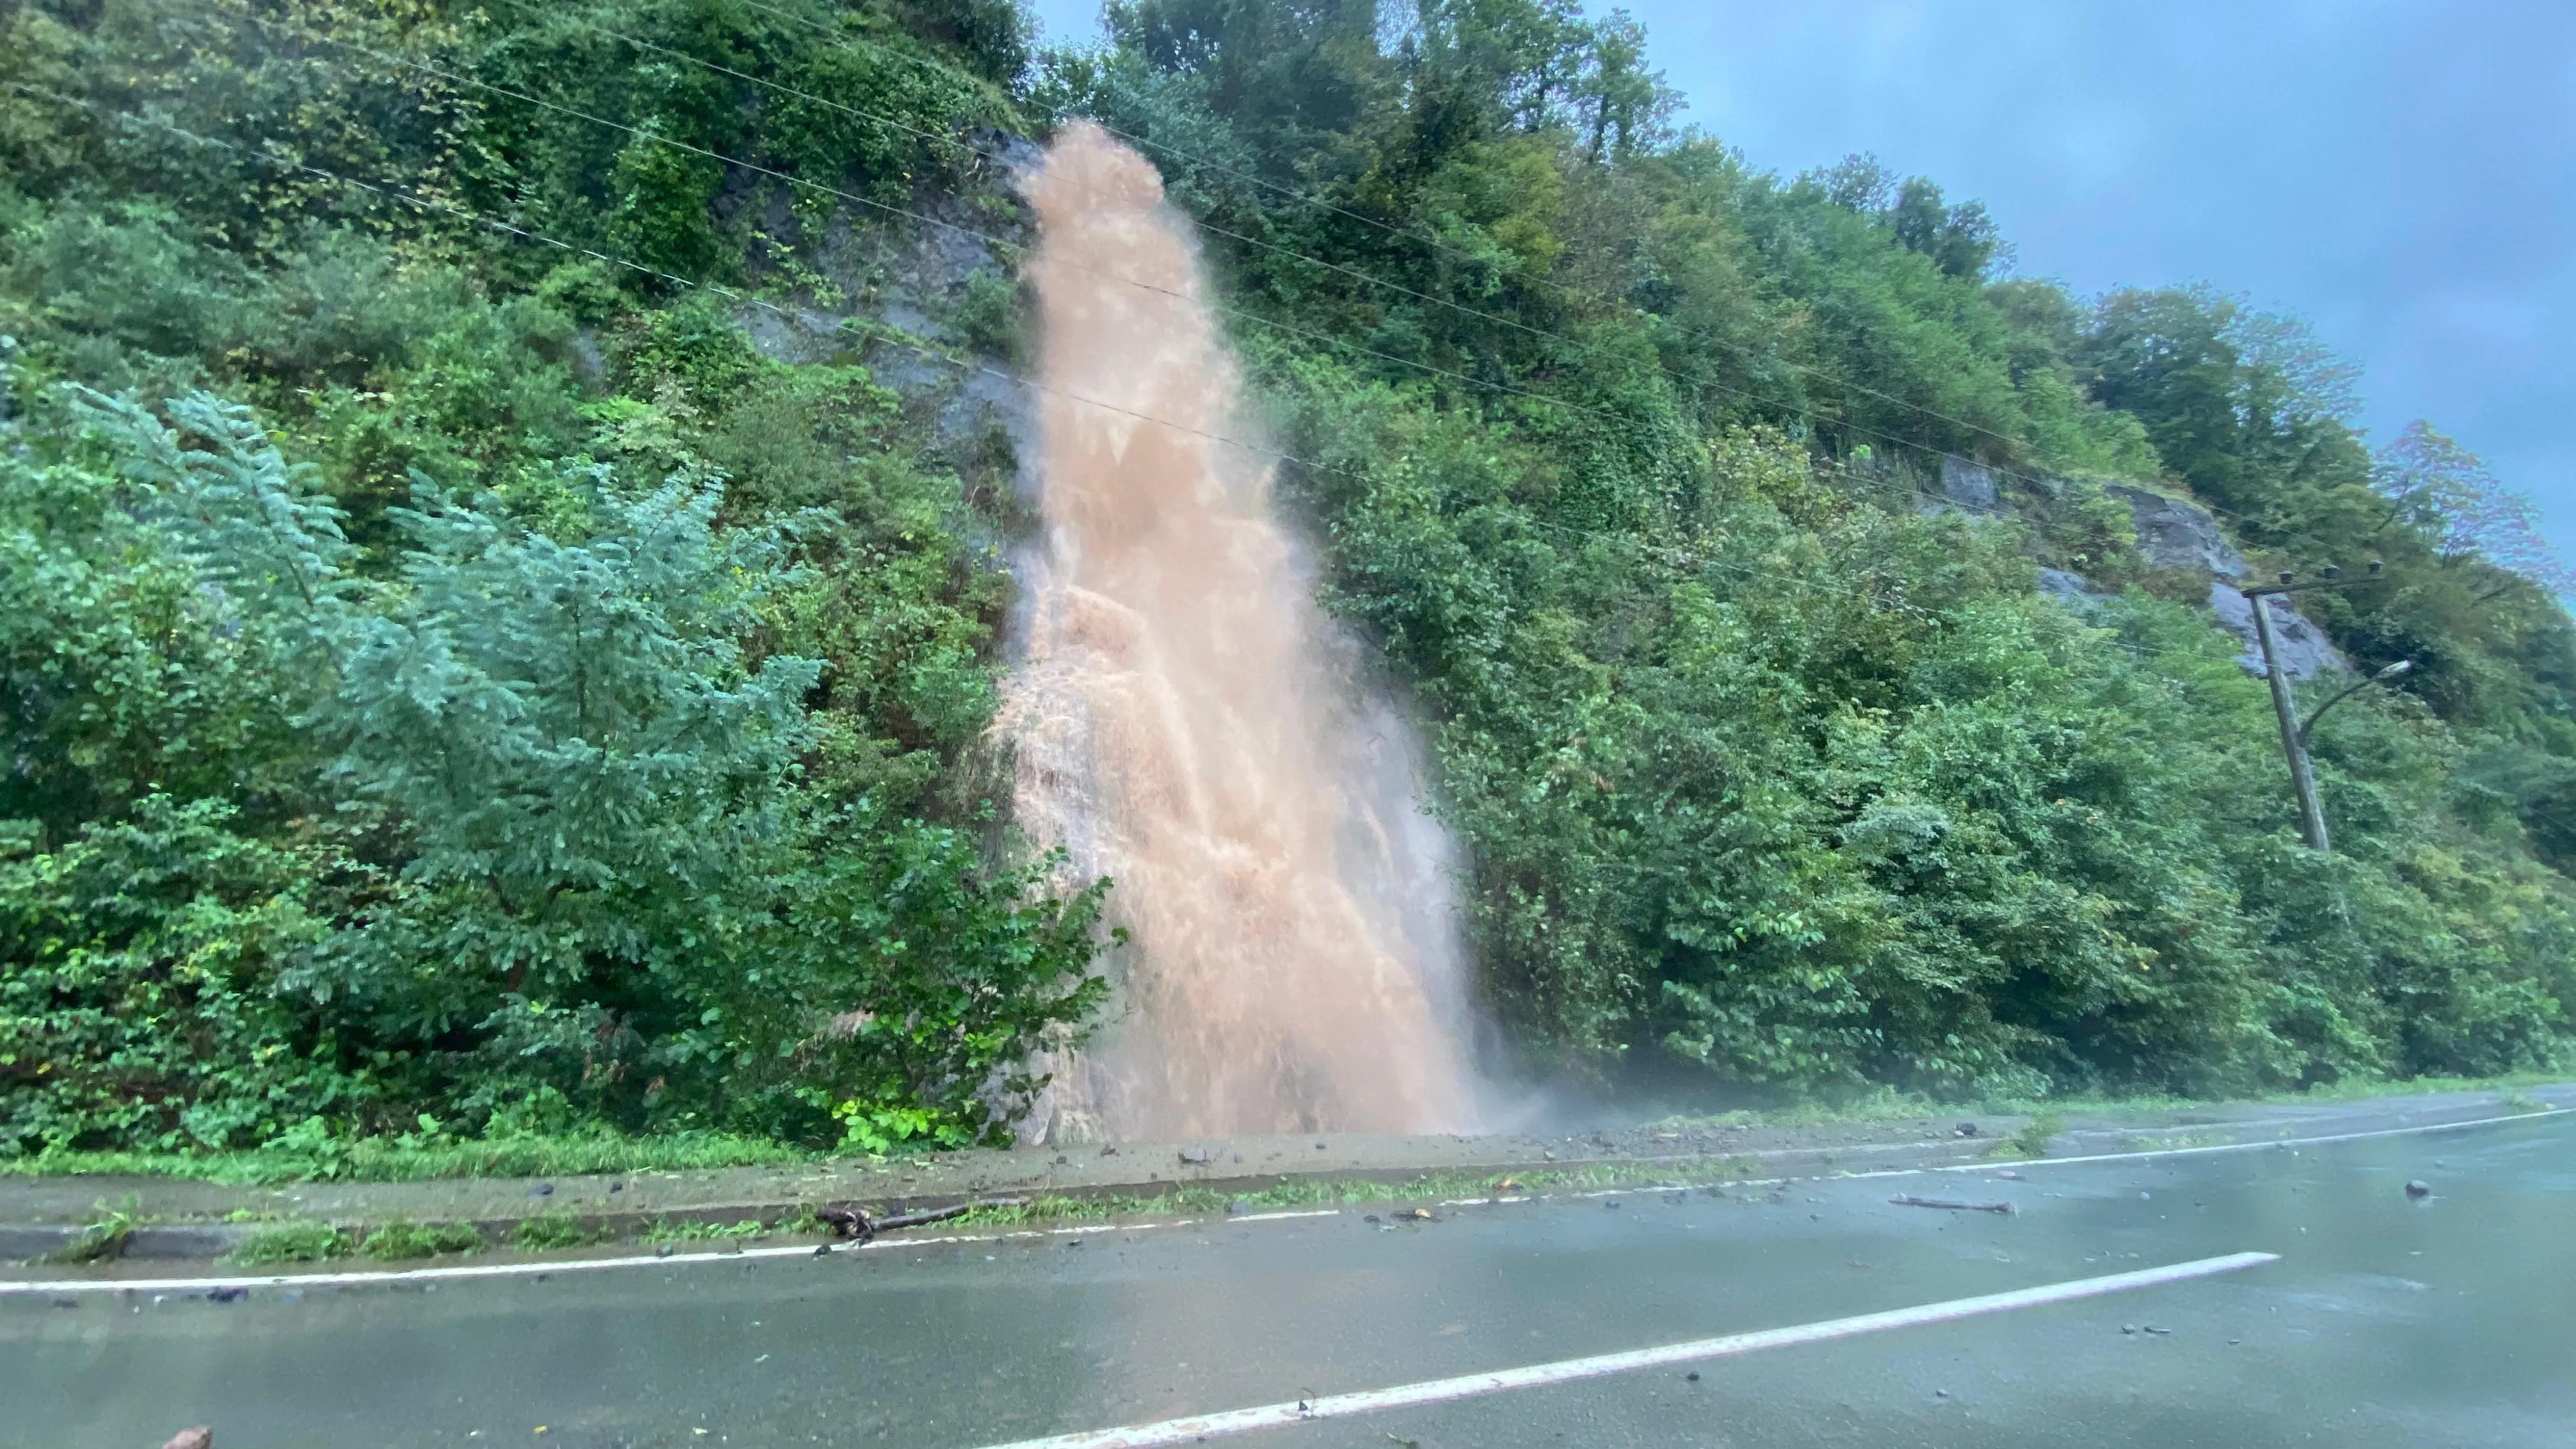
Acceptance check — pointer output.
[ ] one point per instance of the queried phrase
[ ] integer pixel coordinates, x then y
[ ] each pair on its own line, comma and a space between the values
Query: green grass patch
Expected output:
662, 1230
370, 1159
294, 1242
1883, 1104
402, 1238
558, 1230
104, 1236
2033, 1138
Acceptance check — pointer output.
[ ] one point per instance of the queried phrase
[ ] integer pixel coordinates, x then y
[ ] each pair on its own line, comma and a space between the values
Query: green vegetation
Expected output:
480, 704
466, 702
665, 1230
561, 1228
292, 1242
400, 1239
2033, 1138
391, 1159
1766, 774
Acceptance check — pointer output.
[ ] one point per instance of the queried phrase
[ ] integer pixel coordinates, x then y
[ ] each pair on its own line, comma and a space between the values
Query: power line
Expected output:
1255, 318
1678, 557
994, 240
851, 42
988, 238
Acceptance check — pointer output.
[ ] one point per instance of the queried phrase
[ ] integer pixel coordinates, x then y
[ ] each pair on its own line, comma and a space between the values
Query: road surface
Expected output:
2386, 1320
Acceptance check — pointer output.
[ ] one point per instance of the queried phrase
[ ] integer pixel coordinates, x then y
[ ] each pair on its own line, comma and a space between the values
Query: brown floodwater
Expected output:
1186, 721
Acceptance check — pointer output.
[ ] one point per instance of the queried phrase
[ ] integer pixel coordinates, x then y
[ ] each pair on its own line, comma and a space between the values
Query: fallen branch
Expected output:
1965, 1207
941, 1215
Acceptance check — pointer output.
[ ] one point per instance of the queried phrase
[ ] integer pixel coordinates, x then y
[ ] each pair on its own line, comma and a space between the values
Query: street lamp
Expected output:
2393, 671
2294, 736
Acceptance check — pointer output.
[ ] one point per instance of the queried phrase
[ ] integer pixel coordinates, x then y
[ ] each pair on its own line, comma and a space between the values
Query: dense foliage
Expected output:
458, 687
478, 659
1762, 768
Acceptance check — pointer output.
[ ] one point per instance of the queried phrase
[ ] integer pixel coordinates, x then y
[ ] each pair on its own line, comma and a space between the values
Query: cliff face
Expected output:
2173, 533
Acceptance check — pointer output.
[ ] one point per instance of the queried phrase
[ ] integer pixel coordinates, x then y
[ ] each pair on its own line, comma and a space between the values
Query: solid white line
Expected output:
1339, 1406
2237, 1146
2142, 1155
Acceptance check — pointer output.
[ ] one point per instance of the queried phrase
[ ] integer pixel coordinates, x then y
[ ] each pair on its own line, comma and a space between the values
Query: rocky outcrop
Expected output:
2302, 646
1970, 487
2174, 534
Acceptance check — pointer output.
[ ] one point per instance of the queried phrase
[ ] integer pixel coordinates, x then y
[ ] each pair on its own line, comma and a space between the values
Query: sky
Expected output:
2401, 173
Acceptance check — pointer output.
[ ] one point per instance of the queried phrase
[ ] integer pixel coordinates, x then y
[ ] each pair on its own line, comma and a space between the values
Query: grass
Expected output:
1882, 1104
560, 1229
393, 1160
294, 1241
663, 1230
2032, 1140
401, 1238
104, 1237
389, 1159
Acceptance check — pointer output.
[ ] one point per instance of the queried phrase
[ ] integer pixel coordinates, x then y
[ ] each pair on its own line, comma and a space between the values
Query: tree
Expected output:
2435, 485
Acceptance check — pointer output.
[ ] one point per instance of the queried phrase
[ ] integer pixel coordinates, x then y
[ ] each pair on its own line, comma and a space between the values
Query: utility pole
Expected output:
2294, 736
2312, 811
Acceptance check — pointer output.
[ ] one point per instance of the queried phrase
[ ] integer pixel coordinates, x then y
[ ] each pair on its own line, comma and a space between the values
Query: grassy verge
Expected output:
570, 1154
393, 1160
1882, 1104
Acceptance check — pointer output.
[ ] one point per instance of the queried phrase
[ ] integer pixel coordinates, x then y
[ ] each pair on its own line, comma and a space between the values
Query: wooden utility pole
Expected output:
2312, 811
2294, 736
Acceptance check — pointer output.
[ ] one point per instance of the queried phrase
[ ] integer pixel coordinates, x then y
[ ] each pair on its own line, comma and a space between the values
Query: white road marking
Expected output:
2018, 1163
1468, 1386
66, 1286
2214, 1149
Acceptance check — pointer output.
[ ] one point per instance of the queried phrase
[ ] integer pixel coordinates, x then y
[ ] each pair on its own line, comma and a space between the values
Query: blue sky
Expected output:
2399, 172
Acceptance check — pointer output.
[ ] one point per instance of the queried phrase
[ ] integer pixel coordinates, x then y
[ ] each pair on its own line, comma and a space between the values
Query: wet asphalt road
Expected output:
2445, 1322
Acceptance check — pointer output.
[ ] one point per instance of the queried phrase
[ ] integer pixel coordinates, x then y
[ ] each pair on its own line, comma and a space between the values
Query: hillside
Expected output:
506, 519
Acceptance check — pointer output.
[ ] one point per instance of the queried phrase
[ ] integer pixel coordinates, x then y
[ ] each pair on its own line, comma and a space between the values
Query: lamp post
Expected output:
2294, 735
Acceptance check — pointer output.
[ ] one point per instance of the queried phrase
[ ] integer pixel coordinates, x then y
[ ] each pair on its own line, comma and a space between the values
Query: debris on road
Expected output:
1903, 1200
1412, 1215
1967, 1129
199, 1437
2419, 1188
847, 1220
941, 1215
1195, 1156
543, 1189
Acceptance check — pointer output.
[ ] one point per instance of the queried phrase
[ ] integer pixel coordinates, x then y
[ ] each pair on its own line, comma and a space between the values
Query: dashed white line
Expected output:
1467, 1386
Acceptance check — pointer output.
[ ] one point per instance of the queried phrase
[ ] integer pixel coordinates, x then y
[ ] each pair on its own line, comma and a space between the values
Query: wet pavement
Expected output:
2388, 1320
